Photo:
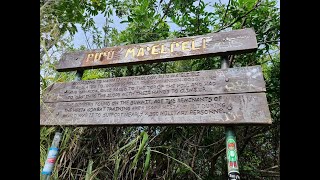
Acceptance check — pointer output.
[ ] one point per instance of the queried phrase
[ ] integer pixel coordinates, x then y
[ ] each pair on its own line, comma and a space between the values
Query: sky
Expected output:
79, 38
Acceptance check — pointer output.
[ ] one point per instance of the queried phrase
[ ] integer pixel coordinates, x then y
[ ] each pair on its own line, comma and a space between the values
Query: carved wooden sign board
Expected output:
213, 44
222, 96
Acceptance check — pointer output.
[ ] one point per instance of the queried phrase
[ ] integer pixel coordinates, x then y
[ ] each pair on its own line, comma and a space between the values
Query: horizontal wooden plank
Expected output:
219, 81
249, 108
213, 44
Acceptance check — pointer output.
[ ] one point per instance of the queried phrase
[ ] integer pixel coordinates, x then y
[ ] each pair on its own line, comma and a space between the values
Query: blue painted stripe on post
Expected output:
53, 148
46, 172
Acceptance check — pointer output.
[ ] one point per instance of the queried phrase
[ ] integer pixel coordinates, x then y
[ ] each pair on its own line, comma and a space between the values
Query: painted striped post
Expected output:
231, 147
54, 149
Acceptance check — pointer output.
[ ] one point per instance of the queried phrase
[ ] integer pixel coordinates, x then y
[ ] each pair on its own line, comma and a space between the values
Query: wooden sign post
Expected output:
225, 96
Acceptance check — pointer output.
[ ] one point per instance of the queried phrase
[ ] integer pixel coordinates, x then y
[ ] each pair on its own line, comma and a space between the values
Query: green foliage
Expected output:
146, 165
193, 19
66, 13
161, 152
89, 170
141, 148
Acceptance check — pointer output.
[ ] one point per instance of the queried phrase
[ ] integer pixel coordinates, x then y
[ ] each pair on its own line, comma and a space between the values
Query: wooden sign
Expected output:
222, 43
232, 80
250, 108
228, 96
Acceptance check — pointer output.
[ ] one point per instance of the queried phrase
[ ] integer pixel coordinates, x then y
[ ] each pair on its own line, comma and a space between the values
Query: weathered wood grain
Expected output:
213, 44
232, 80
249, 108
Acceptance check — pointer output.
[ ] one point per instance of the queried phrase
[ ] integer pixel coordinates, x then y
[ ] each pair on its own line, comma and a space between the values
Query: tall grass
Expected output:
111, 153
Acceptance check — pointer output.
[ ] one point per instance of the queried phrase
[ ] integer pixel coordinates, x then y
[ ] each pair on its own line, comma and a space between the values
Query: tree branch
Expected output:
198, 18
246, 141
214, 160
231, 60
265, 42
217, 142
85, 34
164, 14
231, 57
276, 166
254, 7
196, 149
225, 13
